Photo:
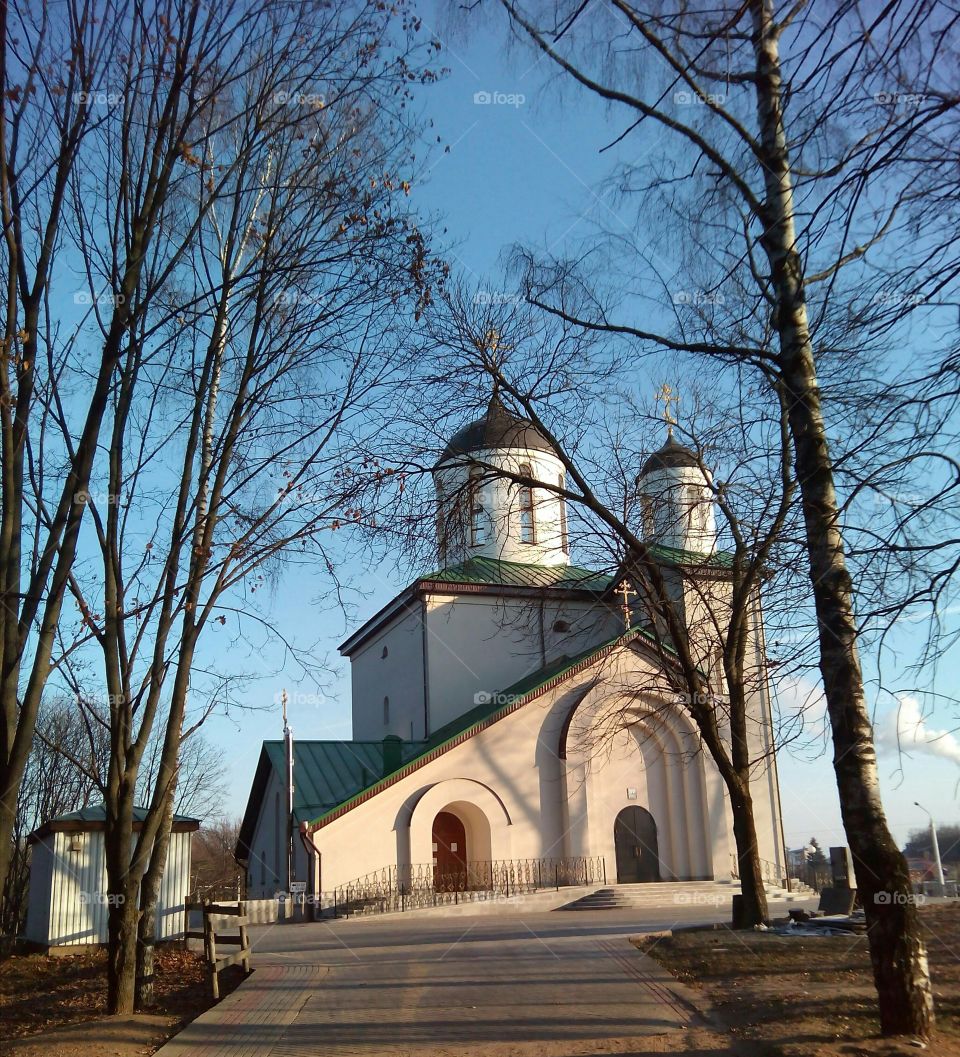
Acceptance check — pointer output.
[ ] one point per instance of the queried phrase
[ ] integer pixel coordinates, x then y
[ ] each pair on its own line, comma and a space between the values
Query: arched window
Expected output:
386, 711
564, 539
478, 516
528, 525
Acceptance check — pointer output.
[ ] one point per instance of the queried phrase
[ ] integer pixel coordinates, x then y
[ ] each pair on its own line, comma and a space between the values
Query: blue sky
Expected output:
523, 168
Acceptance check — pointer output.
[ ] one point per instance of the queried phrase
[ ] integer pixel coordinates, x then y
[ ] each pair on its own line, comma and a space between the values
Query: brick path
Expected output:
428, 988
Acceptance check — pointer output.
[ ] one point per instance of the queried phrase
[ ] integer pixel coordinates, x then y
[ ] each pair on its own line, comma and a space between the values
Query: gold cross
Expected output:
624, 590
665, 393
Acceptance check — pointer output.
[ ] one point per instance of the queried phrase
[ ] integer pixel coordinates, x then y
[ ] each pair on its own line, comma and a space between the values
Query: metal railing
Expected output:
770, 872
422, 885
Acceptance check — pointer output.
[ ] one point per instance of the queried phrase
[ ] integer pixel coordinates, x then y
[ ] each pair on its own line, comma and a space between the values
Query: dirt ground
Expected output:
812, 997
45, 1003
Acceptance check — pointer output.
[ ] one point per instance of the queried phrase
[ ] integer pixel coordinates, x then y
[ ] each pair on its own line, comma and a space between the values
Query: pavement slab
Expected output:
431, 988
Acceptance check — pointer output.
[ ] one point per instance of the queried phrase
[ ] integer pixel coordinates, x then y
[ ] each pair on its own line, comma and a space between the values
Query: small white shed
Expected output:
68, 904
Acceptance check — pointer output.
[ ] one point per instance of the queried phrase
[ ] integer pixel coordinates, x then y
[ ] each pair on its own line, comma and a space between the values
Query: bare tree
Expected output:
270, 316
215, 870
799, 161
47, 116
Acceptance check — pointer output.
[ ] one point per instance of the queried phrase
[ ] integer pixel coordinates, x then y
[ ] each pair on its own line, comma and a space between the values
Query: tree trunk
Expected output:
748, 860
122, 958
896, 947
149, 895
897, 951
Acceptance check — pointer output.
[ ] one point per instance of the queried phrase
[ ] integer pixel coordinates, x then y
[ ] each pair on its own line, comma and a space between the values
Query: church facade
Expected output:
512, 707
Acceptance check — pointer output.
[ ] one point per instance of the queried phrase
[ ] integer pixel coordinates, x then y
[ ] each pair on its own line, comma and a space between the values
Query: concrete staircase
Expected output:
673, 893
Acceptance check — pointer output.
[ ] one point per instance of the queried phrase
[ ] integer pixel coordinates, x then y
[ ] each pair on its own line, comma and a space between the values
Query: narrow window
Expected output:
478, 518
441, 523
528, 528
386, 711
647, 517
384, 653
564, 540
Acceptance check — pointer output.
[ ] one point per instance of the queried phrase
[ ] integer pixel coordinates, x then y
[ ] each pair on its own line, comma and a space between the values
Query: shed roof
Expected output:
94, 817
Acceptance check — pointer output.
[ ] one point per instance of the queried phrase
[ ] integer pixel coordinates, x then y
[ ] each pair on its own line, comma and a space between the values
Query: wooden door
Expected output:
449, 853
635, 840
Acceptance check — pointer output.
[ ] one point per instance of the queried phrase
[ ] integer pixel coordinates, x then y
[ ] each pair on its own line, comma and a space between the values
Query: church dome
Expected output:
499, 428
671, 455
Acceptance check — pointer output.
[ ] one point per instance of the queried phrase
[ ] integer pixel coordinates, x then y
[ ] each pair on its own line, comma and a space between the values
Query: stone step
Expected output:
669, 893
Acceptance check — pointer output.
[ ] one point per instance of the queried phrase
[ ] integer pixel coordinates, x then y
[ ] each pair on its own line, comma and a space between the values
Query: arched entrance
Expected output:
449, 853
635, 839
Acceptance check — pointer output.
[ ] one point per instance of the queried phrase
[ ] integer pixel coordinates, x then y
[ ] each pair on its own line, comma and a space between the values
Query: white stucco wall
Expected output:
398, 676
537, 805
678, 509
267, 865
500, 498
478, 644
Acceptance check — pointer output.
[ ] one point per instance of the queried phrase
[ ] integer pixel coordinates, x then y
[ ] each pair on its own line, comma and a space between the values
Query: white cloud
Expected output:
794, 694
904, 729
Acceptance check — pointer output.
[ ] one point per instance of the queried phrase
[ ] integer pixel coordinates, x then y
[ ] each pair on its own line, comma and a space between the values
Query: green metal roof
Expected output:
98, 813
326, 773
501, 702
495, 573
676, 556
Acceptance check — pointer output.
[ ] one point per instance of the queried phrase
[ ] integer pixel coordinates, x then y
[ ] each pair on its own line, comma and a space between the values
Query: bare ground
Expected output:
47, 1005
790, 997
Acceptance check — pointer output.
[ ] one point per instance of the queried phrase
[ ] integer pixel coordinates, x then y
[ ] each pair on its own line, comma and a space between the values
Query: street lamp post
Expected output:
937, 864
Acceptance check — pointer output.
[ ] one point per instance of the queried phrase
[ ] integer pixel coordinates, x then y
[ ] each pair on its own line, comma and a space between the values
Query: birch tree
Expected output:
793, 146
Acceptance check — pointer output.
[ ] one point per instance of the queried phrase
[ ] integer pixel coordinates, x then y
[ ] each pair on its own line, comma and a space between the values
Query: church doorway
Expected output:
449, 853
635, 839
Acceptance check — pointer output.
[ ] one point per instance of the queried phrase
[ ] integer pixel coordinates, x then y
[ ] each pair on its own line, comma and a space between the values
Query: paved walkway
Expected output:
406, 986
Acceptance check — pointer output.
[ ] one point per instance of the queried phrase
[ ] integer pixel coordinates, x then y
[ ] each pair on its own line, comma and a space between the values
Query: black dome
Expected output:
499, 428
671, 454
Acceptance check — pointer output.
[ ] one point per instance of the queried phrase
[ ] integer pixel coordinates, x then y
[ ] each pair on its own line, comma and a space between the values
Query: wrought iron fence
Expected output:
770, 872
422, 885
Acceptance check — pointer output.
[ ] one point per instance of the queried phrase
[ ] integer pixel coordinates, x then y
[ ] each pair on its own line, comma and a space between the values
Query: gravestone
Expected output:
837, 900
841, 868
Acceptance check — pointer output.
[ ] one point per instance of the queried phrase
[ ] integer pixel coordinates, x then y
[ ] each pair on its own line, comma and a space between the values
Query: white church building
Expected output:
511, 711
